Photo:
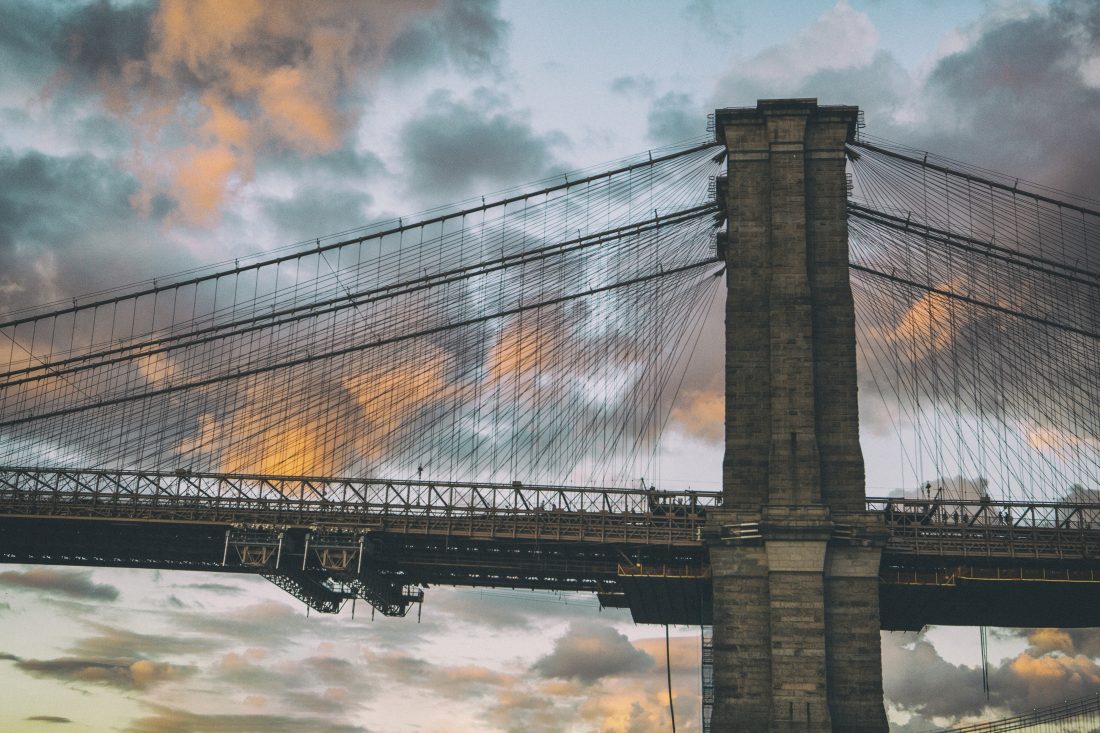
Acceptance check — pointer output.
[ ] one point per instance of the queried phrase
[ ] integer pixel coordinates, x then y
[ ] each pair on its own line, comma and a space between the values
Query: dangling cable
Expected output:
668, 669
985, 660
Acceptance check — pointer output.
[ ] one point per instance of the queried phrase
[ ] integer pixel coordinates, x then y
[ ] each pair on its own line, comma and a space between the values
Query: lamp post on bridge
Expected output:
796, 611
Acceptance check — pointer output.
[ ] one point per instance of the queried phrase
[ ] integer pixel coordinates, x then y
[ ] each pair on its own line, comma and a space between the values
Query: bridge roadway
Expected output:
327, 540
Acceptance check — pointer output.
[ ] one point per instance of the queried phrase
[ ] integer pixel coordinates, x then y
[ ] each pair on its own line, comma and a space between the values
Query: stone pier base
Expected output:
794, 556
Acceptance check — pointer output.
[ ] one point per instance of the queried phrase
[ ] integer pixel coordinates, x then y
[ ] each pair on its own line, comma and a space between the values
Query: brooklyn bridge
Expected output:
473, 397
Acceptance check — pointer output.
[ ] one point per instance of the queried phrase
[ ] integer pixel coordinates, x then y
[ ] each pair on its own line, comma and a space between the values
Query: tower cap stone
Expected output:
767, 107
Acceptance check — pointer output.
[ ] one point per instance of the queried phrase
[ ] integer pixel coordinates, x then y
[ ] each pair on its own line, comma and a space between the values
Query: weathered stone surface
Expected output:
796, 605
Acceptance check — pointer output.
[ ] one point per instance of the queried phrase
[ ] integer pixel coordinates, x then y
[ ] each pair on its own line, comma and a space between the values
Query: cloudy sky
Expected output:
138, 139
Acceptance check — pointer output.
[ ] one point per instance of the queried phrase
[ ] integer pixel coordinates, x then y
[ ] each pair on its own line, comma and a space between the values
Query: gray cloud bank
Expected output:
69, 583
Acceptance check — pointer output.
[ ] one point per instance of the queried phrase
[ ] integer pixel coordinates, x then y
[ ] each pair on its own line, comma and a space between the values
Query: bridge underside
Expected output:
659, 584
987, 603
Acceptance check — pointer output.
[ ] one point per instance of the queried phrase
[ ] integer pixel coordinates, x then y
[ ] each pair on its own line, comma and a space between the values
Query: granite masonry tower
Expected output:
794, 554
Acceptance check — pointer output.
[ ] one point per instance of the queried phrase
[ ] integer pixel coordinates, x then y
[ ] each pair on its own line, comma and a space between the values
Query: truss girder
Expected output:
310, 589
338, 511
995, 530
484, 511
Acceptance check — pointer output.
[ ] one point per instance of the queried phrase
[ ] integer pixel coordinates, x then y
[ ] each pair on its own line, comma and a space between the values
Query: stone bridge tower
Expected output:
794, 555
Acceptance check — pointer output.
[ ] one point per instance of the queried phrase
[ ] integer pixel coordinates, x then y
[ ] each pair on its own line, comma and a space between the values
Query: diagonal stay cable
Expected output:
402, 227
977, 246
971, 177
975, 301
333, 305
359, 347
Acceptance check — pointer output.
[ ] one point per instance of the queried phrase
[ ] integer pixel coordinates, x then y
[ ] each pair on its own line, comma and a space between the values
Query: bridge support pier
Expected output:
794, 555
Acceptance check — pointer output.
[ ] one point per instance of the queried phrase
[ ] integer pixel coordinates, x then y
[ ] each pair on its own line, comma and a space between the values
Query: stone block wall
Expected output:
794, 556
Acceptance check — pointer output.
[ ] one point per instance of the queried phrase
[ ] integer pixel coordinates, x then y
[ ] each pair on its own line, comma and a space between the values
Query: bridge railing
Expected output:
959, 528
991, 529
462, 508
987, 513
400, 497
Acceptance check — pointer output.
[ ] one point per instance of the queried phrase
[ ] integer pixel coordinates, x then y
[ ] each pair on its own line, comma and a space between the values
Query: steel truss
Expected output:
326, 541
480, 510
988, 529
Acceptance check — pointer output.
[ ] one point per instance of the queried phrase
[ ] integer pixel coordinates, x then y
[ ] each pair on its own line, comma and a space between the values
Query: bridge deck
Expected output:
944, 562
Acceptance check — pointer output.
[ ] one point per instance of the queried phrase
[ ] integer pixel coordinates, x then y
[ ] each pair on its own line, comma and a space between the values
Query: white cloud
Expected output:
841, 38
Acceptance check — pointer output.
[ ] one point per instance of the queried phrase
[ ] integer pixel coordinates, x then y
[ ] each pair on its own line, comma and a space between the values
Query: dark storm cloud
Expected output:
48, 719
100, 37
674, 117
61, 54
590, 651
1017, 98
71, 583
41, 197
67, 228
87, 38
468, 34
208, 91
879, 88
26, 29
459, 148
475, 34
